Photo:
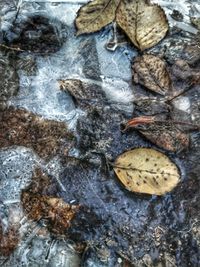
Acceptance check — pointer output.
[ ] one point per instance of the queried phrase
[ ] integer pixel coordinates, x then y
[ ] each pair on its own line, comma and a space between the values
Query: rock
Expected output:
176, 15
38, 34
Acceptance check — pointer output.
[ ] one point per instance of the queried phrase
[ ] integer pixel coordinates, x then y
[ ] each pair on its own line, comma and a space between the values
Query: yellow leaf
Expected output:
95, 15
146, 170
144, 24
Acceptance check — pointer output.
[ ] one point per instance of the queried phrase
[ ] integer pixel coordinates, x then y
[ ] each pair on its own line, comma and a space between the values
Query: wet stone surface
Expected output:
65, 99
37, 34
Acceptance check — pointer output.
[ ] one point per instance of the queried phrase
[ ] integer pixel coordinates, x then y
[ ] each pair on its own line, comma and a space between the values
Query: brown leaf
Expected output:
57, 213
146, 170
37, 203
23, 128
95, 15
151, 72
82, 92
164, 134
144, 24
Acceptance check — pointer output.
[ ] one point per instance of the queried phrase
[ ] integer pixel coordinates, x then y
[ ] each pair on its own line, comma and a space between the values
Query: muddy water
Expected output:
116, 226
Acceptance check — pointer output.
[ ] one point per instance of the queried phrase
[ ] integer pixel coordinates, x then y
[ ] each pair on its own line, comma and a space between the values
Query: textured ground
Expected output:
43, 128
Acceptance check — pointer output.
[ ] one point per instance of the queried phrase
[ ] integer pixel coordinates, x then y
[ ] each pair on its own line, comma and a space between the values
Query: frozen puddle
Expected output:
112, 215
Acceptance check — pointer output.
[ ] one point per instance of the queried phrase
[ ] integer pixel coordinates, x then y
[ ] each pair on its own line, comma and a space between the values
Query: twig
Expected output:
12, 48
179, 93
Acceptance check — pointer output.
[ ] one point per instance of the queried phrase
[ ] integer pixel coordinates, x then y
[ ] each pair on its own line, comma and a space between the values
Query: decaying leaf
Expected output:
95, 15
23, 128
8, 240
144, 24
38, 205
57, 213
164, 134
86, 96
151, 71
82, 91
146, 170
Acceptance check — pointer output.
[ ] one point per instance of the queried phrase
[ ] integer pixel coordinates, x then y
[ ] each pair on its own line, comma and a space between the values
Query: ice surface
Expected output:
17, 165
185, 8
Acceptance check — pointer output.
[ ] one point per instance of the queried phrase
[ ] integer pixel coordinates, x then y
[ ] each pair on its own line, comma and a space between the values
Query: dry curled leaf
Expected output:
95, 15
144, 24
164, 134
146, 170
151, 72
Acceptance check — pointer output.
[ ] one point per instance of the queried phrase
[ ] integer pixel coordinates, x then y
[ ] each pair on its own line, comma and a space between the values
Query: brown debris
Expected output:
23, 128
8, 241
42, 183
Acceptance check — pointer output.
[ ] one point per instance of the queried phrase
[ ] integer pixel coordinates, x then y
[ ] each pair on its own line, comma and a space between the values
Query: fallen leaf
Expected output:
86, 96
57, 213
95, 15
146, 170
164, 134
144, 24
39, 205
151, 72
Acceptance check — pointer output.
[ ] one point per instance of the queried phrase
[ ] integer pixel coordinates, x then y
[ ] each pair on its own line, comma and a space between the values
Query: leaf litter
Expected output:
145, 24
46, 203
